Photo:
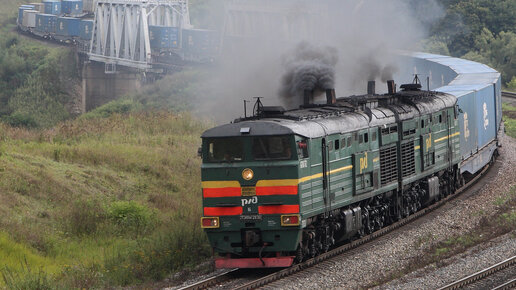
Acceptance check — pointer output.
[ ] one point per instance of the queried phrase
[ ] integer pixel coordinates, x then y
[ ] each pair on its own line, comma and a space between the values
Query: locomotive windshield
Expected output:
272, 148
225, 150
237, 149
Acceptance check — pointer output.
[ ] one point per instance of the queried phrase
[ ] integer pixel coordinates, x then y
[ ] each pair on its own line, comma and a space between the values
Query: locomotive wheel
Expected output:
299, 254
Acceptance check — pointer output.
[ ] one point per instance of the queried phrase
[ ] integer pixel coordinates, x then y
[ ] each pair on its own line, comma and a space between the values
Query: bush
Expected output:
122, 106
177, 247
131, 217
512, 84
21, 120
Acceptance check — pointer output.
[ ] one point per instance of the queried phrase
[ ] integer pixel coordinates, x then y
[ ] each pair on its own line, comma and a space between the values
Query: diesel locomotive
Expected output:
283, 186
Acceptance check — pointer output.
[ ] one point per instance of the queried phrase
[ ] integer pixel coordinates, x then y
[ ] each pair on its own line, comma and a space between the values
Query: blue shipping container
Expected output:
46, 23
163, 37
86, 27
467, 124
52, 7
71, 7
486, 122
68, 26
20, 13
200, 42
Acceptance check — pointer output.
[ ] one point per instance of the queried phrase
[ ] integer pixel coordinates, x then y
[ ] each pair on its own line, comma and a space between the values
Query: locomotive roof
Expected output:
349, 114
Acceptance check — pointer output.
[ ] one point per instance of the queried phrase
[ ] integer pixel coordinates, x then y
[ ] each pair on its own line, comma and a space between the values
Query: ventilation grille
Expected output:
388, 165
408, 162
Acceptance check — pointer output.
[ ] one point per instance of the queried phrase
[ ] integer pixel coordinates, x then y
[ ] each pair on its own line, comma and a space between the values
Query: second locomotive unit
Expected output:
283, 186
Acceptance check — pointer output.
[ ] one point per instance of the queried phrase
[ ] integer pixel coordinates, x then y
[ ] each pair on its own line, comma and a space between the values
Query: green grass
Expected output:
102, 202
509, 118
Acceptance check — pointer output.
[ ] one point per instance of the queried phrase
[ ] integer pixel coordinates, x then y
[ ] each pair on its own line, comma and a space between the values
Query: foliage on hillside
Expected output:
101, 202
480, 30
35, 79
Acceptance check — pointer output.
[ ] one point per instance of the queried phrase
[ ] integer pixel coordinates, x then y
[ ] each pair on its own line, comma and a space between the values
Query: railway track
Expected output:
498, 276
509, 95
509, 98
269, 278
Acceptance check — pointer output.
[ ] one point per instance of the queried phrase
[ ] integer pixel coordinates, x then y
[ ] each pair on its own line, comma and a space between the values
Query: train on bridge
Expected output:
74, 22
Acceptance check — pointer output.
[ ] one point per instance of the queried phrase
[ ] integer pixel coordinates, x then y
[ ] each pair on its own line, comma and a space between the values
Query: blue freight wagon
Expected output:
68, 26
46, 23
52, 7
478, 89
163, 37
86, 27
71, 7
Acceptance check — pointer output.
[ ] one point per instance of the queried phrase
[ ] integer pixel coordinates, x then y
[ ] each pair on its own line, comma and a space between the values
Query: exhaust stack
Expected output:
308, 97
391, 87
371, 87
331, 98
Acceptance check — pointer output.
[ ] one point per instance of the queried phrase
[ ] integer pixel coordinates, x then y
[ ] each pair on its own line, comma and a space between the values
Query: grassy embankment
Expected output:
509, 118
99, 202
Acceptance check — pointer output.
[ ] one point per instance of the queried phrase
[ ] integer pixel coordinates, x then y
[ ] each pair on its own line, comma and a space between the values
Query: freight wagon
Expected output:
478, 89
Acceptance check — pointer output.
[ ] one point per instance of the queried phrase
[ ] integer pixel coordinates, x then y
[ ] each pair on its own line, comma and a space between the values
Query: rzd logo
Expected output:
486, 120
363, 162
248, 201
466, 128
428, 142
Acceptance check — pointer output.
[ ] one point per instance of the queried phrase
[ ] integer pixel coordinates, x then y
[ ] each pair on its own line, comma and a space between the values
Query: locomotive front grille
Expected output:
388, 165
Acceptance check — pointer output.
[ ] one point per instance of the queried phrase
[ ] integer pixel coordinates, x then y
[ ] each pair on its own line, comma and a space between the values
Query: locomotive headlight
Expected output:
210, 222
290, 220
247, 174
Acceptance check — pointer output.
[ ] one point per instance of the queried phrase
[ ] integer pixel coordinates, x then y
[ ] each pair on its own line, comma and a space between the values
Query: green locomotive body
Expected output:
287, 185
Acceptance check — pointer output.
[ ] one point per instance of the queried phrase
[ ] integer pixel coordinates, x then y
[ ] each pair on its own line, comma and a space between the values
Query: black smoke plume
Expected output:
373, 68
308, 67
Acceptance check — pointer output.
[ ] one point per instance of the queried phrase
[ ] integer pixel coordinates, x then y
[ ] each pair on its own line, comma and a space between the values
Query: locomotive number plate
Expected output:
248, 191
254, 217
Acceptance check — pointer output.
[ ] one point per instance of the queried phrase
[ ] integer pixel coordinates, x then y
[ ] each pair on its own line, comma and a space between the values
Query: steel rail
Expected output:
209, 282
509, 285
335, 252
483, 274
509, 95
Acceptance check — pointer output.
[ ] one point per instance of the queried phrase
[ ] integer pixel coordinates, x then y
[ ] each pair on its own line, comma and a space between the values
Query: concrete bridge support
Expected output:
99, 87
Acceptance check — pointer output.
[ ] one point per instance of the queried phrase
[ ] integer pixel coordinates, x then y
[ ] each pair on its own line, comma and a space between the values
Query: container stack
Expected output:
20, 12
46, 23
68, 26
71, 7
86, 29
164, 37
29, 18
52, 7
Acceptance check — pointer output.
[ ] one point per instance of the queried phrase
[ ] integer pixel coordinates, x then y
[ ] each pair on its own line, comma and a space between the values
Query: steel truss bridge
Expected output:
121, 30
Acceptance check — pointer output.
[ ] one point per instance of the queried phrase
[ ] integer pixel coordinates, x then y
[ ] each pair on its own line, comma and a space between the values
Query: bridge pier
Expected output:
99, 87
